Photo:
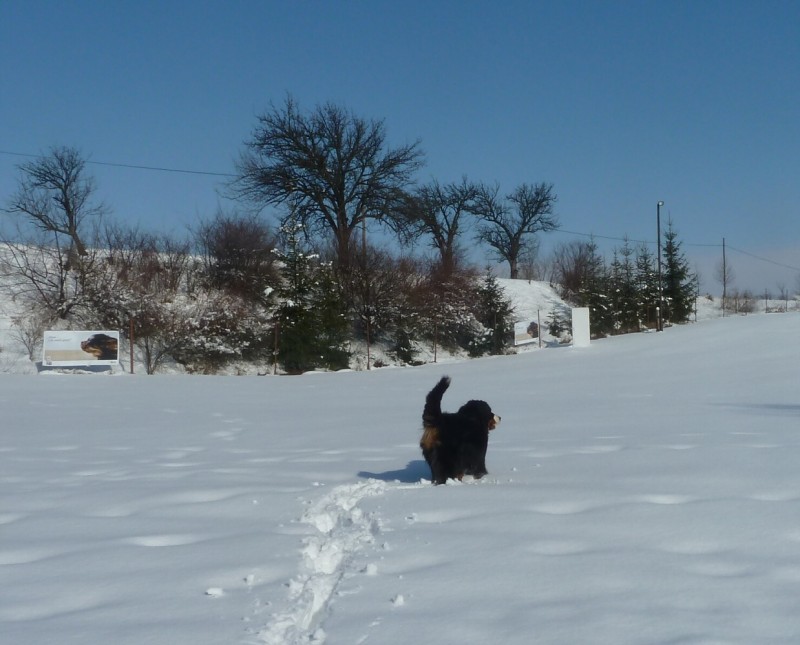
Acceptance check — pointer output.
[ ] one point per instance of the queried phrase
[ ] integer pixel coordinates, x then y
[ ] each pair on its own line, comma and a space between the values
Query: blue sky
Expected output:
618, 104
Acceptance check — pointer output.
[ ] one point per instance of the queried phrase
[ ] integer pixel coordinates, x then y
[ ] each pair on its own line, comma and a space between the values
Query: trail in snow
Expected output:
344, 530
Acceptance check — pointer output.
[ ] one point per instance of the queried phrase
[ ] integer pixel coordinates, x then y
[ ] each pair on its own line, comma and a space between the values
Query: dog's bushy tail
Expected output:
433, 403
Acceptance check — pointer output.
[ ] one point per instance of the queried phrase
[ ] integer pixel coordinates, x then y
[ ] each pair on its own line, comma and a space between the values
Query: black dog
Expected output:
454, 443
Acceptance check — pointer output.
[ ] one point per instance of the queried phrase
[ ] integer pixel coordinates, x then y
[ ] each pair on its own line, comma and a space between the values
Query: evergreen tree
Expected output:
677, 280
628, 297
333, 328
646, 285
494, 312
614, 287
622, 291
594, 292
311, 326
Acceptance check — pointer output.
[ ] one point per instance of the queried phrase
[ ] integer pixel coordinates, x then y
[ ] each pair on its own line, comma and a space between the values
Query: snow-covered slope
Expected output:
531, 298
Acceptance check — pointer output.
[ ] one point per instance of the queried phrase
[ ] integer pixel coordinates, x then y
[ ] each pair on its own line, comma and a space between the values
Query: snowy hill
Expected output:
532, 298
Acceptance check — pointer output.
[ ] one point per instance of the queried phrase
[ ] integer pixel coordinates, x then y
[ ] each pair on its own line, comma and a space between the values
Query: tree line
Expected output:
297, 293
628, 293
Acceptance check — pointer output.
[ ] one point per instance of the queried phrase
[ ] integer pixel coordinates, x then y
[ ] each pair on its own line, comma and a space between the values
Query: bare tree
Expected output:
797, 291
572, 264
50, 256
510, 224
56, 196
29, 328
783, 294
137, 269
725, 275
440, 212
332, 168
530, 267
238, 256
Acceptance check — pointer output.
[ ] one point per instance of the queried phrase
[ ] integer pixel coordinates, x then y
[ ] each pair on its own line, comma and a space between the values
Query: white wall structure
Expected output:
580, 327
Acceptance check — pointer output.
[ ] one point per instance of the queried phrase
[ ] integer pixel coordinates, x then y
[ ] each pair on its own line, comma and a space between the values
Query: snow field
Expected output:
644, 491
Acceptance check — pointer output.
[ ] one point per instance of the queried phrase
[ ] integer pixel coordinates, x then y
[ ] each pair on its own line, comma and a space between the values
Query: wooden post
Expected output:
539, 323
368, 333
435, 337
130, 341
275, 351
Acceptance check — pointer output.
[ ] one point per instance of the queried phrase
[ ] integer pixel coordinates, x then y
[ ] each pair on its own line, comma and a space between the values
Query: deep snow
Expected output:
644, 490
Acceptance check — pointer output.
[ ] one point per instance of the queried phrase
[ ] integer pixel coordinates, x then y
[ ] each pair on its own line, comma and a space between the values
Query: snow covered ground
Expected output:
644, 490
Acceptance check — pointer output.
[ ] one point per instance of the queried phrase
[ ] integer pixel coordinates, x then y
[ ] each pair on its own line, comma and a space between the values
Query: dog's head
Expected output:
480, 410
101, 346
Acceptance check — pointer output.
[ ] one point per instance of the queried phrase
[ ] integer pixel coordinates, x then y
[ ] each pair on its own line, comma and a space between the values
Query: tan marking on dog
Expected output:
430, 438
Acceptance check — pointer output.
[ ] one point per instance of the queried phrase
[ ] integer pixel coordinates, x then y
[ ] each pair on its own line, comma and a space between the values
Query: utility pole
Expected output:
366, 278
724, 278
659, 308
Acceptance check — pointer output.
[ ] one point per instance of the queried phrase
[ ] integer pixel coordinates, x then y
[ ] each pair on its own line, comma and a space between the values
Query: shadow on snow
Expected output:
413, 472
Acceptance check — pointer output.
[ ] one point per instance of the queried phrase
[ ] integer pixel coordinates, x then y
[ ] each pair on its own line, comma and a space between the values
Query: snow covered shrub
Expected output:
445, 300
159, 331
740, 302
383, 292
560, 324
140, 284
136, 270
28, 329
220, 328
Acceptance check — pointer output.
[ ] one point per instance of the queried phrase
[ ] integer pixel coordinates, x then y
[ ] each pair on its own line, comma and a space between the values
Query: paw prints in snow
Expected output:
343, 530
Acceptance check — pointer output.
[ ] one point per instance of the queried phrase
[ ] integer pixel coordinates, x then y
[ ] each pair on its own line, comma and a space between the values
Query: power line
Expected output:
780, 264
560, 230
712, 246
134, 166
628, 239
156, 168
603, 237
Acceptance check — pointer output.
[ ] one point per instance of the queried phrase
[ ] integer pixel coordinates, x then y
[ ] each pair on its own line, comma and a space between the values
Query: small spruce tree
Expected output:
559, 322
628, 313
494, 311
646, 285
594, 291
677, 279
310, 316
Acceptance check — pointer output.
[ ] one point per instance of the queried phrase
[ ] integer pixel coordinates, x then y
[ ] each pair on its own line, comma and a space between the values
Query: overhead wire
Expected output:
560, 230
128, 165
